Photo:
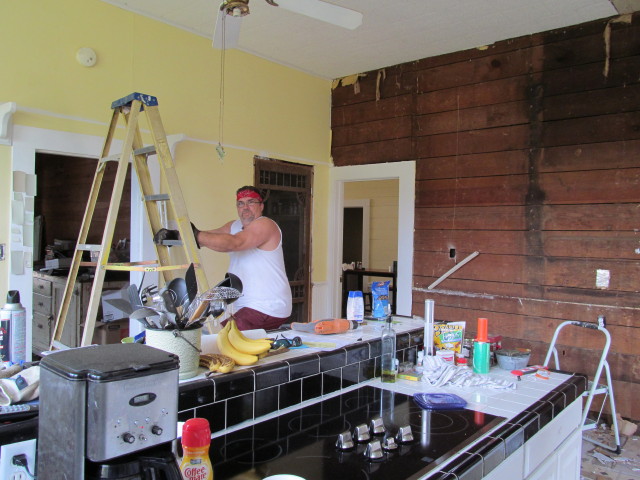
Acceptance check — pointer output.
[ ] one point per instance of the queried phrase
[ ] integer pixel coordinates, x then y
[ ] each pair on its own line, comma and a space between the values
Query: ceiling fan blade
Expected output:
231, 29
326, 12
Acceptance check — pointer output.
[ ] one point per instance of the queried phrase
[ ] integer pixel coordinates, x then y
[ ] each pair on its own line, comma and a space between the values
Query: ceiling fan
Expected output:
227, 31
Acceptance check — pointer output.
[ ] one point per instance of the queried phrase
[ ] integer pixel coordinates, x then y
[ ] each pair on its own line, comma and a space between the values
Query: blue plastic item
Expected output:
439, 401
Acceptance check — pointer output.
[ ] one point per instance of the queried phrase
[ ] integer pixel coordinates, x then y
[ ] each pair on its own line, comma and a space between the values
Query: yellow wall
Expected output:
5, 196
270, 110
383, 222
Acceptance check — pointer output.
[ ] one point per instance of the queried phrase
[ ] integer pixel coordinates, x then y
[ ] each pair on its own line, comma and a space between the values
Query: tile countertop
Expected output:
370, 330
506, 403
501, 402
532, 405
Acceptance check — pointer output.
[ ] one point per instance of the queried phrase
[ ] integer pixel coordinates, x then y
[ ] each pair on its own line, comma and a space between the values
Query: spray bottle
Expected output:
13, 326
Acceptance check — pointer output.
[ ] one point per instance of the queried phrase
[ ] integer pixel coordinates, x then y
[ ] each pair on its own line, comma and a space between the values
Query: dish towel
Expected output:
438, 373
18, 385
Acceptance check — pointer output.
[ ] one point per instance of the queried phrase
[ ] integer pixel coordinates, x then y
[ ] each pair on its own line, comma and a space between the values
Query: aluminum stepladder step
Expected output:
130, 109
594, 388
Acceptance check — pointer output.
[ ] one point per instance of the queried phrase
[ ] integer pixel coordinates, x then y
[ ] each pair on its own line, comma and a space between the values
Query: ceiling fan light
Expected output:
236, 8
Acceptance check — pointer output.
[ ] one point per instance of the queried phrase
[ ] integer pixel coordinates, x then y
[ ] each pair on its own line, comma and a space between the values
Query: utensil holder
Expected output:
186, 344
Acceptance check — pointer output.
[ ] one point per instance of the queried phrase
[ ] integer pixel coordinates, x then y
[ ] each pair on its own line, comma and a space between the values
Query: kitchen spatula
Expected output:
192, 282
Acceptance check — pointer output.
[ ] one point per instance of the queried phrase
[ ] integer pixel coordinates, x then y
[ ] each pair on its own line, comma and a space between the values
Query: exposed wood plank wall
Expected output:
529, 153
64, 184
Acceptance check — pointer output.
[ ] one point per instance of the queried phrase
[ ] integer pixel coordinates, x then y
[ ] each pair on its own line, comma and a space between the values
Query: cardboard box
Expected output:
110, 332
110, 312
58, 263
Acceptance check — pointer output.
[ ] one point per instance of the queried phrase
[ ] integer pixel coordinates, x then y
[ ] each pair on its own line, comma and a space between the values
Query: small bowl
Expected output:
513, 359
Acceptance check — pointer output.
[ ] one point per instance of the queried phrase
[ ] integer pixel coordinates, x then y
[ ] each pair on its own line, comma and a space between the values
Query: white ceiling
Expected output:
392, 31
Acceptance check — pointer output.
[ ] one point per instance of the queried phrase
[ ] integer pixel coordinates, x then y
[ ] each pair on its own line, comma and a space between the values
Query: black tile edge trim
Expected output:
512, 435
544, 410
333, 359
305, 366
492, 451
271, 374
357, 353
529, 421
557, 400
195, 394
403, 340
233, 384
443, 476
416, 337
467, 464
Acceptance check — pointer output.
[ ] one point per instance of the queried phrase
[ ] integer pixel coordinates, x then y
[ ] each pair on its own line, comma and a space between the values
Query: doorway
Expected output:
339, 176
355, 231
288, 199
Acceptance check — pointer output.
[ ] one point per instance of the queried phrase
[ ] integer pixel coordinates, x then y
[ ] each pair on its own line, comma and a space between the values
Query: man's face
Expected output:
249, 209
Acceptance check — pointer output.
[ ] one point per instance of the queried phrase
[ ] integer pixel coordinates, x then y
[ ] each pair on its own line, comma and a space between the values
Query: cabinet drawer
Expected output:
42, 304
42, 286
42, 330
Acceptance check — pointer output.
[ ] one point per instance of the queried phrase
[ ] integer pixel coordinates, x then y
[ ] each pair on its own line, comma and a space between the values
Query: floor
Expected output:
601, 464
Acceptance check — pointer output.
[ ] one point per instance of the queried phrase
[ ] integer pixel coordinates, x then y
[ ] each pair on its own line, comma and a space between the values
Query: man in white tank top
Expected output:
254, 244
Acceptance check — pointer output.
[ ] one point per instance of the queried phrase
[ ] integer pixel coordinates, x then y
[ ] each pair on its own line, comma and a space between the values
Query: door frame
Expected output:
405, 173
261, 163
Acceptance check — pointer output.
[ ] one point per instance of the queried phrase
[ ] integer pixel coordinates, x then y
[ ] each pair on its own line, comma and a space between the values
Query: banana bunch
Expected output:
244, 351
217, 362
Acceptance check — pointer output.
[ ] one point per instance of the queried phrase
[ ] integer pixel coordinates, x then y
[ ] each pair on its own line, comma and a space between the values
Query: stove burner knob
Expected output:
404, 435
345, 441
128, 438
156, 430
389, 444
377, 426
361, 433
374, 450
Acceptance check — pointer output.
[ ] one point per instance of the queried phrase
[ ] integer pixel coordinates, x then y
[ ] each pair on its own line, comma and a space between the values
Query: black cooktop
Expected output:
303, 442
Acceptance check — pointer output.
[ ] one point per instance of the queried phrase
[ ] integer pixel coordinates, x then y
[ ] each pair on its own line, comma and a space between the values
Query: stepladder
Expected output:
594, 387
163, 203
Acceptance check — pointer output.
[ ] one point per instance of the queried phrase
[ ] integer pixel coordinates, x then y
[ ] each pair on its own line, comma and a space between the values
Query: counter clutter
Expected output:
321, 411
295, 406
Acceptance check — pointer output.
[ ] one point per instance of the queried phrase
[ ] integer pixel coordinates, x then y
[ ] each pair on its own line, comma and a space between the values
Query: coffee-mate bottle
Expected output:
196, 439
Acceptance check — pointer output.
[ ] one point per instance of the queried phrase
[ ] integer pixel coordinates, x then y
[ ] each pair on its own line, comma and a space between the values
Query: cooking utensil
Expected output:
168, 300
121, 304
147, 294
141, 315
200, 305
179, 288
230, 281
191, 282
134, 297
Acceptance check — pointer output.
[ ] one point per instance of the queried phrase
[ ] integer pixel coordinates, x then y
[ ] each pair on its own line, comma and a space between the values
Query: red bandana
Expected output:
248, 194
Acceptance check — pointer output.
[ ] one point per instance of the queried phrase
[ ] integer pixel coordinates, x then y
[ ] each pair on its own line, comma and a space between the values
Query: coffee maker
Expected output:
108, 412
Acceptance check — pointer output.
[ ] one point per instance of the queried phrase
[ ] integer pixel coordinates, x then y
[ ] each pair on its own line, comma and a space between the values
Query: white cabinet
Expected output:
554, 453
48, 291
547, 442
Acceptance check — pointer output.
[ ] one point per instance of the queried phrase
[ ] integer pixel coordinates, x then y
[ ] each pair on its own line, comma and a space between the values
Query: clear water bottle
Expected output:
355, 306
389, 364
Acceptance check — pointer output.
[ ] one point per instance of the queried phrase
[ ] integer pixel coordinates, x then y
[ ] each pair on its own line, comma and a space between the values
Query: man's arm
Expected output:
260, 233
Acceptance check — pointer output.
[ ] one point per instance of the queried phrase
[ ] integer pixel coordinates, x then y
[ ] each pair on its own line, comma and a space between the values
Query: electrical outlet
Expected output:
13, 472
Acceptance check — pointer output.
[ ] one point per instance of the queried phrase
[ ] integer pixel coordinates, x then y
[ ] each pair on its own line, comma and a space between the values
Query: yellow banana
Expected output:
216, 362
246, 345
225, 347
234, 326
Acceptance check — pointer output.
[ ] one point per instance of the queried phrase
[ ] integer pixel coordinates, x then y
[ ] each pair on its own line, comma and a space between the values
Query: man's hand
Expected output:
195, 234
